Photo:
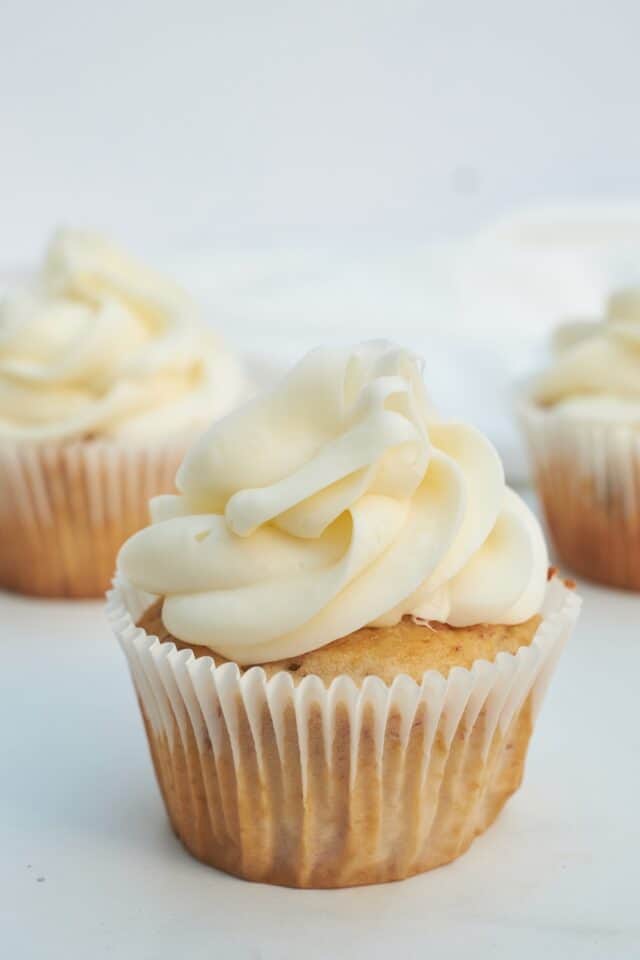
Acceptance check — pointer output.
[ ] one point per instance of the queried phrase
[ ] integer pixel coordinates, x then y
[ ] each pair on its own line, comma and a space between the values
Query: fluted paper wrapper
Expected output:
587, 473
66, 508
311, 786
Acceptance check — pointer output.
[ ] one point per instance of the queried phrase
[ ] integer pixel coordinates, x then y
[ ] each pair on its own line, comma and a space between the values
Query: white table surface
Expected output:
89, 868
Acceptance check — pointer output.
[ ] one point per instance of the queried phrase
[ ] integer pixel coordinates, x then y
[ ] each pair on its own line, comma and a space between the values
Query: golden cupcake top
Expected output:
595, 371
99, 343
337, 499
406, 648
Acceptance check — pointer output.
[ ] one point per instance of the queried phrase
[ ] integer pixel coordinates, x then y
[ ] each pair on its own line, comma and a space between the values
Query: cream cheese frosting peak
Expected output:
335, 500
101, 344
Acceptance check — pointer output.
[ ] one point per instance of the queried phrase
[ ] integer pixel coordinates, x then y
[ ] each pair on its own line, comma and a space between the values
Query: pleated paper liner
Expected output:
587, 474
66, 508
310, 786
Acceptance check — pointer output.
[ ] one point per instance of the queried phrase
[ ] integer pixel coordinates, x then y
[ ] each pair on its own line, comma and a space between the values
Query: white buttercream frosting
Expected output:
595, 372
101, 344
335, 500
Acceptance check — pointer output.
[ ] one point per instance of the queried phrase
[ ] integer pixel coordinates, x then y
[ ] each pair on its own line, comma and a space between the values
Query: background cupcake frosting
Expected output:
596, 369
99, 343
361, 506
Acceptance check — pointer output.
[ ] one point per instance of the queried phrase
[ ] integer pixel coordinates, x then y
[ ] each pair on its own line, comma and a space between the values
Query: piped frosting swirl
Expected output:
595, 372
101, 344
335, 500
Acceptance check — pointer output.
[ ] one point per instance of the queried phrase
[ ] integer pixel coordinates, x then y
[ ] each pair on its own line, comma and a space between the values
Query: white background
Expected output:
199, 123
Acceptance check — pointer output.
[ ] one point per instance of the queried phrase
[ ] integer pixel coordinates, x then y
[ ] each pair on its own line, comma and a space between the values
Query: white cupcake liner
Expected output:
587, 473
309, 785
66, 508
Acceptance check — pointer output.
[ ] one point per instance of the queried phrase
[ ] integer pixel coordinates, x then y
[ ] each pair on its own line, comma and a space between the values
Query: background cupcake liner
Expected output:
312, 786
587, 474
66, 508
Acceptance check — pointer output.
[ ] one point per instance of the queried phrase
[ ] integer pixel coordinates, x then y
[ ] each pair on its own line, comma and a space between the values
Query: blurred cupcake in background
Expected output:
106, 376
581, 418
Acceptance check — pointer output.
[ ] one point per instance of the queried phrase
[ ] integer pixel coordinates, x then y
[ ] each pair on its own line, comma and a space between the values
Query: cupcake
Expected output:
339, 630
106, 377
581, 418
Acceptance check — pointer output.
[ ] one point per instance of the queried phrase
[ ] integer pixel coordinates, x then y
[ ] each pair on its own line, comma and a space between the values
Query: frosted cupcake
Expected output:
581, 418
106, 376
340, 630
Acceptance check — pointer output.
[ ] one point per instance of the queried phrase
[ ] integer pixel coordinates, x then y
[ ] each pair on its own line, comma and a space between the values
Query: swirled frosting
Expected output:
335, 500
596, 368
101, 344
